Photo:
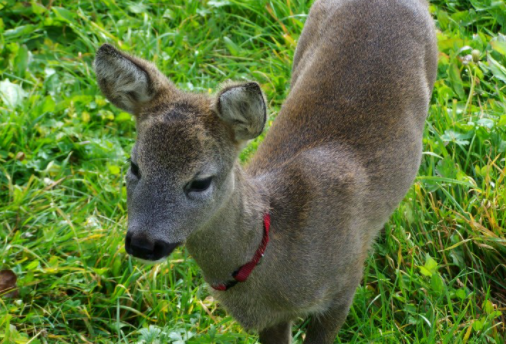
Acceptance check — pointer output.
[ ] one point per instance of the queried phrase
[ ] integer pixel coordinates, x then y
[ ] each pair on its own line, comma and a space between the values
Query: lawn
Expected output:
438, 270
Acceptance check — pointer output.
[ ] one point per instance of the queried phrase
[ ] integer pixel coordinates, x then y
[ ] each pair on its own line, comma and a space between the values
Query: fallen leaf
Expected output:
8, 287
11, 94
20, 156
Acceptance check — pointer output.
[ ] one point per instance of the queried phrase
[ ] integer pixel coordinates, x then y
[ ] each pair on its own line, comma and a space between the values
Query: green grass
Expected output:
438, 273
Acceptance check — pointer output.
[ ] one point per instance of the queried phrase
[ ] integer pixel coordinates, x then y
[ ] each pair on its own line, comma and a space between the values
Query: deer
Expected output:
286, 235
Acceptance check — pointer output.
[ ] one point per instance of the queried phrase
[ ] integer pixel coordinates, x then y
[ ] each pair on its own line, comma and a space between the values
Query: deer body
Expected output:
339, 158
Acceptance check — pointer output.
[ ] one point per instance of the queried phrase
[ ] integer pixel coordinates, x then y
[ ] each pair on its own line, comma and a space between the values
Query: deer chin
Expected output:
151, 262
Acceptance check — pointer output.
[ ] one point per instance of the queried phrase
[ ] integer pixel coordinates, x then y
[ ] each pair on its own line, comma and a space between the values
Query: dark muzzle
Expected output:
142, 247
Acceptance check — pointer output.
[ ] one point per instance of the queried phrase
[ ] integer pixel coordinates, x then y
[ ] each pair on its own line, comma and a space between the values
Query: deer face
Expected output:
181, 170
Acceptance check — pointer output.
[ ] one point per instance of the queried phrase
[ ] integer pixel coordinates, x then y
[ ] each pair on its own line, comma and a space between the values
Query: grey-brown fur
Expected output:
340, 156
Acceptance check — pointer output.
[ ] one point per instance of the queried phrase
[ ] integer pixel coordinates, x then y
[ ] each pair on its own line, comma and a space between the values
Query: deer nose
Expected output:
143, 247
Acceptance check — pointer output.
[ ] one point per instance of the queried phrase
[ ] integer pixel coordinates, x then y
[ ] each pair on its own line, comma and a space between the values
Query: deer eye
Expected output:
199, 185
134, 168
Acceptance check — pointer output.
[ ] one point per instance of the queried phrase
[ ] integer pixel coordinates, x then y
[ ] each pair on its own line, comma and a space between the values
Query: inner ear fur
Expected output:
127, 81
242, 106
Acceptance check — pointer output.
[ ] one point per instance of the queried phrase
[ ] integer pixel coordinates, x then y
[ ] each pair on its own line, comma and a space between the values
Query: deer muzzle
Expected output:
143, 247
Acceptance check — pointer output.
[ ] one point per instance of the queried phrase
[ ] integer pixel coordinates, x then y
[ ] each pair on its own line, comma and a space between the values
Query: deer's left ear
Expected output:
242, 107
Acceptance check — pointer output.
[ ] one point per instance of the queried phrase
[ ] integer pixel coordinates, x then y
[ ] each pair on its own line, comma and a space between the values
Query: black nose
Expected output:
142, 247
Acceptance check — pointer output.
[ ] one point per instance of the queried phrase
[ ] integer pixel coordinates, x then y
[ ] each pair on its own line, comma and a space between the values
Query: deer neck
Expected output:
232, 236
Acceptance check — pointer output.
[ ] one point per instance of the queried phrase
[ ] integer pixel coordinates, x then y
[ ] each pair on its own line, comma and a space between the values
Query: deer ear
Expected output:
242, 107
128, 82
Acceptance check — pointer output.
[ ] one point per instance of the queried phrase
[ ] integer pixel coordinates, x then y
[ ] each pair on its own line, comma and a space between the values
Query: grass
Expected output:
439, 268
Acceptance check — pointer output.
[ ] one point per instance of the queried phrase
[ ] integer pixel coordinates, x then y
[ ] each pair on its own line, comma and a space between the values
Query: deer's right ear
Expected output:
128, 82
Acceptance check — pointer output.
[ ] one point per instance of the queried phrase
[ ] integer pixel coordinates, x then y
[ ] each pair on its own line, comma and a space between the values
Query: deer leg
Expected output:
323, 328
277, 334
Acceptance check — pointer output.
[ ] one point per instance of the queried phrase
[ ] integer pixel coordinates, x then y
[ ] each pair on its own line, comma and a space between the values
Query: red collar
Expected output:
242, 274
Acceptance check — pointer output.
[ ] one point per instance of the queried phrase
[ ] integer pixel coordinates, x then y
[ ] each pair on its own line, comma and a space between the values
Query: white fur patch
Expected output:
150, 262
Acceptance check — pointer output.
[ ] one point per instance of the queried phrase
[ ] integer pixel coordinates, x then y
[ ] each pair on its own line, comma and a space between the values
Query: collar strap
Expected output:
242, 274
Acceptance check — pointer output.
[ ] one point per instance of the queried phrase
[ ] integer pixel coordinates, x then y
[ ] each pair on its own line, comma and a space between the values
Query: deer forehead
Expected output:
180, 144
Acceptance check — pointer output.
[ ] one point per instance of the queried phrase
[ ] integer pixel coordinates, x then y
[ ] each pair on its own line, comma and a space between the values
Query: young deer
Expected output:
339, 158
